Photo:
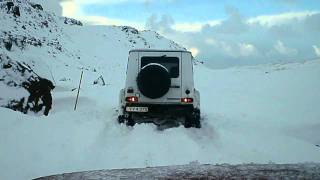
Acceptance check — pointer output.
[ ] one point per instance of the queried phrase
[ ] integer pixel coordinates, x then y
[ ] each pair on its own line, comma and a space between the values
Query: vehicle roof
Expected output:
158, 50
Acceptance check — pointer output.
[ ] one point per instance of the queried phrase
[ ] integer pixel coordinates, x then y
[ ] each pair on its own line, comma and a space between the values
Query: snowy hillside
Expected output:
258, 114
57, 48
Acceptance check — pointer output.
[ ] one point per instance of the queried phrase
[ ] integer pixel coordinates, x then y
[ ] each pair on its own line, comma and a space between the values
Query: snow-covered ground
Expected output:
255, 114
248, 116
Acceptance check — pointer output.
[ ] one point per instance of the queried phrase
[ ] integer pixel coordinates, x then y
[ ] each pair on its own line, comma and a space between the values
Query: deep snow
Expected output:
248, 116
255, 114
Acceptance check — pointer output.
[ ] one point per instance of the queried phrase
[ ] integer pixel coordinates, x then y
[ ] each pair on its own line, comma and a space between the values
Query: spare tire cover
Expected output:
154, 81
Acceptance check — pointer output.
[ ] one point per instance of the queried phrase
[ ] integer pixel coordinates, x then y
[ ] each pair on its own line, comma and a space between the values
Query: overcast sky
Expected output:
220, 33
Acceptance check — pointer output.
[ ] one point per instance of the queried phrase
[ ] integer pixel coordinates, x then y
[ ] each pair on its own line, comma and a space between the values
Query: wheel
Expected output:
126, 119
121, 119
196, 118
188, 122
193, 120
130, 122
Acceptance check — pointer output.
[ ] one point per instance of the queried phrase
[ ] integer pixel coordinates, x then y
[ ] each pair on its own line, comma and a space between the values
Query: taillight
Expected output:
132, 99
186, 100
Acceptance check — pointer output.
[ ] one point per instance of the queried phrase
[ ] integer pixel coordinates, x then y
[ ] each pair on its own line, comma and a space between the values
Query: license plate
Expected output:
137, 109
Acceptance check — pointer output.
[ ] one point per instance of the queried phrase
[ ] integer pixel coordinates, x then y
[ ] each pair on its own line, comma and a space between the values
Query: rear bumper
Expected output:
163, 109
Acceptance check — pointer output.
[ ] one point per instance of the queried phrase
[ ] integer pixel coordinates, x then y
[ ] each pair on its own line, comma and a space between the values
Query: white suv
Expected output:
159, 83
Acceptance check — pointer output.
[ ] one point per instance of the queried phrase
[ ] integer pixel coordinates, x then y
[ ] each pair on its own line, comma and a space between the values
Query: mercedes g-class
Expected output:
159, 83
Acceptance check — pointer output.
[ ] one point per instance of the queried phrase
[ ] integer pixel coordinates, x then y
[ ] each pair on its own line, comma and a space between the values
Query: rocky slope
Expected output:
36, 43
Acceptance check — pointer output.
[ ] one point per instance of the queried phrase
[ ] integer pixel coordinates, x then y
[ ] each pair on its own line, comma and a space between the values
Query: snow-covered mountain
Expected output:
257, 114
45, 45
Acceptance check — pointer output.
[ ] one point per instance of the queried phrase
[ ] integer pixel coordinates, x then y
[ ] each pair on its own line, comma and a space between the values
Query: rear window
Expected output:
171, 63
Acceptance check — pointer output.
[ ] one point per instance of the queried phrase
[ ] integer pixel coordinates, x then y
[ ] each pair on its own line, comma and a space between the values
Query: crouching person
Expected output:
41, 90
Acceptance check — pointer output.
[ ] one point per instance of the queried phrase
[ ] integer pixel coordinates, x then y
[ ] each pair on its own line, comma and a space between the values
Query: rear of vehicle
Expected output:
159, 84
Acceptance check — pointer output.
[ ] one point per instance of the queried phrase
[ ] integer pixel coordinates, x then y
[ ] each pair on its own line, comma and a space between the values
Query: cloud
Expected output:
238, 40
246, 49
316, 50
235, 24
282, 49
83, 2
272, 20
210, 41
289, 2
235, 40
109, 2
69, 8
237, 20
72, 8
163, 24
193, 26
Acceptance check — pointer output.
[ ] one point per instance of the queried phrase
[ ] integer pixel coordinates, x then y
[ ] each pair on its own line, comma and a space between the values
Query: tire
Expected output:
154, 81
121, 119
193, 120
188, 123
129, 121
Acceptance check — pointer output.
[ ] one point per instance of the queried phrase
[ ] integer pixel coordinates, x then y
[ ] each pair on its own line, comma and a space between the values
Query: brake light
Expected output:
132, 99
186, 100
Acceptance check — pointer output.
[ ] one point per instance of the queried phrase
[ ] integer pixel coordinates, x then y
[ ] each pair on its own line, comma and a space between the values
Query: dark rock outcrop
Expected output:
100, 81
22, 79
71, 21
16, 11
36, 6
9, 6
129, 29
8, 45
